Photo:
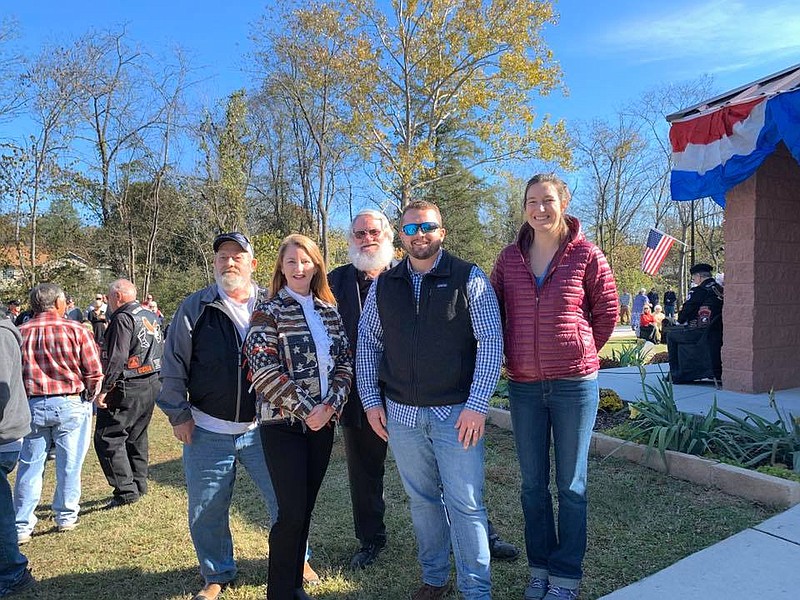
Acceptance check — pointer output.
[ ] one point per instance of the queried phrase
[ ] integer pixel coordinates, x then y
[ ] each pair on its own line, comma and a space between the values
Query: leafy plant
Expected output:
659, 357
500, 397
753, 439
610, 401
609, 363
663, 427
630, 355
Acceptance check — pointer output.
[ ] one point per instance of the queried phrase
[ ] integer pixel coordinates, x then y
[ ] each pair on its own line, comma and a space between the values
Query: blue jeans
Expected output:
12, 562
210, 466
67, 420
568, 410
444, 483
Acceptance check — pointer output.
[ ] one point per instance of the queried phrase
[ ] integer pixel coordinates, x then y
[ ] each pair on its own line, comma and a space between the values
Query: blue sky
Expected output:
610, 51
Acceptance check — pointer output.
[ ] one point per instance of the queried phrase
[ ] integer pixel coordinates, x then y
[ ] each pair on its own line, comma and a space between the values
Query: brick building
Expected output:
743, 149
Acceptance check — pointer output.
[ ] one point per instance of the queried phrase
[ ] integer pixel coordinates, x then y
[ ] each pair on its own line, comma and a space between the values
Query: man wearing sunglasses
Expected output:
430, 345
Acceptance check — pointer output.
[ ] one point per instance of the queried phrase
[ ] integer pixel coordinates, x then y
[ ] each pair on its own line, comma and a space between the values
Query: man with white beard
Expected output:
207, 398
371, 252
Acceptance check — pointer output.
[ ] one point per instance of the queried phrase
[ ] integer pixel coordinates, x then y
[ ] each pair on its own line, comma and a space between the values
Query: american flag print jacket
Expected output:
283, 364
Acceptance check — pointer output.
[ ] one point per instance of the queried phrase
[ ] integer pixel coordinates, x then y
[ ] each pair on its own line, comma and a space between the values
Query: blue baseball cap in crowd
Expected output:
236, 237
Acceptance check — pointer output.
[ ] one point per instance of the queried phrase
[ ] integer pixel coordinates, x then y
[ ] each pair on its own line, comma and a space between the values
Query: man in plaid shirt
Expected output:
61, 372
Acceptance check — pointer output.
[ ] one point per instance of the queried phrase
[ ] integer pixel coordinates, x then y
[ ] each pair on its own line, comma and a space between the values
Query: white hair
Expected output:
386, 226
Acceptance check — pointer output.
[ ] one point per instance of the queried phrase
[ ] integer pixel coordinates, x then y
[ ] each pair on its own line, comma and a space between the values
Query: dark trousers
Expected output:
366, 455
297, 462
120, 435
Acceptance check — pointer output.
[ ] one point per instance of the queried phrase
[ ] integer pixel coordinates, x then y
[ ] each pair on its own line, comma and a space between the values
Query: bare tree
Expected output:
305, 61
12, 90
614, 157
51, 84
117, 102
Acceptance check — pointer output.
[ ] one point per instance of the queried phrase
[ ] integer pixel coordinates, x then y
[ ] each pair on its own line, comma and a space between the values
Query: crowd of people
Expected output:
402, 354
647, 317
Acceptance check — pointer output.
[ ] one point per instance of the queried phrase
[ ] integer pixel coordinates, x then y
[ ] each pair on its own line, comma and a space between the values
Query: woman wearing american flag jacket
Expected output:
301, 367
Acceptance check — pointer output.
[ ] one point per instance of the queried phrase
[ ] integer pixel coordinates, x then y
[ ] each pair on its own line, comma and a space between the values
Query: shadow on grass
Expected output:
136, 583
179, 583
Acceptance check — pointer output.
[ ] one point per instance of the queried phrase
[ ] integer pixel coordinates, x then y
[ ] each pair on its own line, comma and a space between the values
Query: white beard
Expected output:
372, 262
230, 282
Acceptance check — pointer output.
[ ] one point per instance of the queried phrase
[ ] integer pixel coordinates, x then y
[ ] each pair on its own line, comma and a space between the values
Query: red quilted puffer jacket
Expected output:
555, 331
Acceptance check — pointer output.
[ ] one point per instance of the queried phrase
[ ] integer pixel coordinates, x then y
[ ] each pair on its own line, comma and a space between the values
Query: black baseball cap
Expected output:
700, 268
236, 237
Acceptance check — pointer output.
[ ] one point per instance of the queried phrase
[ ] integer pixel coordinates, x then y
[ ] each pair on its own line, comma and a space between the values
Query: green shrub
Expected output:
663, 427
755, 440
659, 357
609, 363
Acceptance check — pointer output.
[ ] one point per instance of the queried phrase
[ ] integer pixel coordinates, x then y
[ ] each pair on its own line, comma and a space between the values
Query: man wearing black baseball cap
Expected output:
12, 309
208, 401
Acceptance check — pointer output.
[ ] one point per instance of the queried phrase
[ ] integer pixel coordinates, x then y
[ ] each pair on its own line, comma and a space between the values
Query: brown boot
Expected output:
210, 591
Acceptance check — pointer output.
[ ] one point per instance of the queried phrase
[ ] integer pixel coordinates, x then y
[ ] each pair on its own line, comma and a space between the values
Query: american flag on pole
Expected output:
655, 250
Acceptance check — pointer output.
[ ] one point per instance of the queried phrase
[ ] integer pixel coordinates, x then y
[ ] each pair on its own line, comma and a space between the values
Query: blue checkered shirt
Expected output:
485, 316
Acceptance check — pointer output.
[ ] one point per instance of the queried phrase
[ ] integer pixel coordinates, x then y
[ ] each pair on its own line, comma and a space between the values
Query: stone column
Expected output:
761, 316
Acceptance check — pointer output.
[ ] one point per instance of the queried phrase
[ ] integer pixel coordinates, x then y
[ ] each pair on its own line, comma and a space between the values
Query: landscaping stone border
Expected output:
737, 481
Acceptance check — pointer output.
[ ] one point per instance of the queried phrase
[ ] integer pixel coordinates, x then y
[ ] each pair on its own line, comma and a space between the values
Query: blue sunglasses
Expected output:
413, 228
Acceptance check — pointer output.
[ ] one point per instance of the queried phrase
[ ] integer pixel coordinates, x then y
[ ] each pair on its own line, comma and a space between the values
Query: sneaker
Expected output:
67, 527
25, 582
537, 588
556, 592
501, 549
23, 538
366, 556
117, 501
431, 592
310, 576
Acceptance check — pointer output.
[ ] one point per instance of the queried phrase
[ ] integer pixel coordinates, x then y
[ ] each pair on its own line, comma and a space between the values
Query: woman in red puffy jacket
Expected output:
558, 301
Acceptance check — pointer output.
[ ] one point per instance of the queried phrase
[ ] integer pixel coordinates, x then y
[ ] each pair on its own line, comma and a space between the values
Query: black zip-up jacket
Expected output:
203, 364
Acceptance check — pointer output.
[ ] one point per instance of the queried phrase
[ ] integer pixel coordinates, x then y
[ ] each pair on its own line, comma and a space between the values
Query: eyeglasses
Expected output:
362, 233
413, 228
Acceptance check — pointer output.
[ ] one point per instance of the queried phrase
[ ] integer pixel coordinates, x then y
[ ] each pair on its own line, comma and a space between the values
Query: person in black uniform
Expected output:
131, 364
703, 309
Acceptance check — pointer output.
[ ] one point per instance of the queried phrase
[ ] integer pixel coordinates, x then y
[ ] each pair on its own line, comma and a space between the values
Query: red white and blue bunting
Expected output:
715, 151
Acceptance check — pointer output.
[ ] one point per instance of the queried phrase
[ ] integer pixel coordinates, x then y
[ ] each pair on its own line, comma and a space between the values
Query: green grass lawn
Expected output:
618, 343
640, 521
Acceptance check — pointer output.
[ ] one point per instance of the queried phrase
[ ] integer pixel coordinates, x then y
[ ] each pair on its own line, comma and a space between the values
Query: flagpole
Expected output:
691, 250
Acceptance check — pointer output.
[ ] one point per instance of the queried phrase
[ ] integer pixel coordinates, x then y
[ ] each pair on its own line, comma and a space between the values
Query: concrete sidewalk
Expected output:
759, 562
697, 397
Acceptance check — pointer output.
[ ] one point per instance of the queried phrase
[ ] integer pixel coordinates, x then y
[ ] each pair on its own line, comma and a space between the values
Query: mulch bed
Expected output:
607, 420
